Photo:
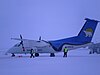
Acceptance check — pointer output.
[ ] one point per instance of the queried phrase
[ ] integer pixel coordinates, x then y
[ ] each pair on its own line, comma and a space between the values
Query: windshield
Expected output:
17, 45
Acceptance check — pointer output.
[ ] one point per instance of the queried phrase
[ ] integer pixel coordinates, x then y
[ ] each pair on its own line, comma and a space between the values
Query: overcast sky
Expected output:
51, 19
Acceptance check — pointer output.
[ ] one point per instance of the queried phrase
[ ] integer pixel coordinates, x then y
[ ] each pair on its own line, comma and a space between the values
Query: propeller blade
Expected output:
20, 36
23, 48
21, 43
39, 38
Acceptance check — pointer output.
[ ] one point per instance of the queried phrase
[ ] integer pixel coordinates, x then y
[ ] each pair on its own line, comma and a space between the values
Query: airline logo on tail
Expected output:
88, 32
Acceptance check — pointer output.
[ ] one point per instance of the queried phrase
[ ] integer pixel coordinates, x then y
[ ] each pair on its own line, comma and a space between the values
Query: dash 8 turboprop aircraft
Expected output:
83, 39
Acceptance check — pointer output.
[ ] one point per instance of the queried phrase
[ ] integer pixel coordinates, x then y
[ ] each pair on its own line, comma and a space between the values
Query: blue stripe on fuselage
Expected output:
58, 44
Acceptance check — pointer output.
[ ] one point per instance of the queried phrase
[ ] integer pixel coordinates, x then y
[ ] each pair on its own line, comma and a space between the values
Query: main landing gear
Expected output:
52, 55
36, 54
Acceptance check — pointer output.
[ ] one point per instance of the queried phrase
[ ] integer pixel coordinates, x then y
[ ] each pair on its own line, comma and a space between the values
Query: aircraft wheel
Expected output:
36, 54
90, 52
13, 55
52, 55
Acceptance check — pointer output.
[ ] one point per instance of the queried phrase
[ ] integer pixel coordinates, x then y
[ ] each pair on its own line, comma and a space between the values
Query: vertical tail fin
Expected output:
88, 30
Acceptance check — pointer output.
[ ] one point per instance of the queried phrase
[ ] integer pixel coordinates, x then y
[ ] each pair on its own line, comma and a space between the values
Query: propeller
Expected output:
40, 38
21, 43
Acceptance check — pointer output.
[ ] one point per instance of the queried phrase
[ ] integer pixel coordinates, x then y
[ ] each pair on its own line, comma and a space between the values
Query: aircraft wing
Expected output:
21, 39
35, 42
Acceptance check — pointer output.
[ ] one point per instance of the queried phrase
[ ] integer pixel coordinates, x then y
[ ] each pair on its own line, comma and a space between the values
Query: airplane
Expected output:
82, 40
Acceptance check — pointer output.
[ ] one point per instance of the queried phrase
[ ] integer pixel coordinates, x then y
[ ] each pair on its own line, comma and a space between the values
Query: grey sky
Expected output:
51, 19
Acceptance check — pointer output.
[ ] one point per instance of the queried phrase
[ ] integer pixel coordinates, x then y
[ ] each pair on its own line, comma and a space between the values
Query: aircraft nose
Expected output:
11, 50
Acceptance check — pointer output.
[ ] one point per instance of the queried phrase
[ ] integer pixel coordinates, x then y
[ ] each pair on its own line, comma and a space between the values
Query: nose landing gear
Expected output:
13, 55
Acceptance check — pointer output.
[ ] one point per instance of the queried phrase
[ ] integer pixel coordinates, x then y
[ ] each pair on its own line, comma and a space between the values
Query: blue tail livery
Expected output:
84, 37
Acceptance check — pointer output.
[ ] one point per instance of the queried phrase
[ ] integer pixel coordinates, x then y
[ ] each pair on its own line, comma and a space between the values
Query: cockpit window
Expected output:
17, 45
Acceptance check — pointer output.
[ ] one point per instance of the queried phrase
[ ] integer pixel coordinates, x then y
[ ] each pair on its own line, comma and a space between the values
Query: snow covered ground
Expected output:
78, 62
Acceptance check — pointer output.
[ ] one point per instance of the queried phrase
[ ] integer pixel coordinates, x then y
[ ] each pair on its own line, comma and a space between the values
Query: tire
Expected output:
36, 54
52, 55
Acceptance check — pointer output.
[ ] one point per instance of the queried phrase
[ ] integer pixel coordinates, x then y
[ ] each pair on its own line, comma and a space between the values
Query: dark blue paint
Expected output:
77, 40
